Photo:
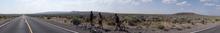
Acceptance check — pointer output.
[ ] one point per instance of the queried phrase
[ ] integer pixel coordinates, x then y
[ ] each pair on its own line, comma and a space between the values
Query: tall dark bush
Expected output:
91, 18
117, 22
100, 20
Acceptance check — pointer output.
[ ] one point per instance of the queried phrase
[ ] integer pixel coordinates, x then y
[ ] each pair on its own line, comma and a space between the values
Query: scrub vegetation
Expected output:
126, 22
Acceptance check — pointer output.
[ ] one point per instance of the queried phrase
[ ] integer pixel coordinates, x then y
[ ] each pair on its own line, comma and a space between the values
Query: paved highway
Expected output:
211, 30
25, 24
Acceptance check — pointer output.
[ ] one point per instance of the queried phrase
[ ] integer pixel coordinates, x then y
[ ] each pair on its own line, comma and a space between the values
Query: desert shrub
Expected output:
132, 24
68, 17
75, 21
132, 20
79, 16
111, 24
161, 27
203, 22
188, 27
217, 19
48, 17
182, 20
179, 29
1, 16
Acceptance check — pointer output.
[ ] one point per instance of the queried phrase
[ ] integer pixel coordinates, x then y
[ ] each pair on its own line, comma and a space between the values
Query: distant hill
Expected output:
72, 12
104, 13
55, 13
186, 13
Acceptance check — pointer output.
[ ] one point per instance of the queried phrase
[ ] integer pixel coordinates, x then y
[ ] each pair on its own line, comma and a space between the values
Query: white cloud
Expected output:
209, 1
206, 0
218, 7
146, 0
209, 4
142, 1
35, 6
169, 1
127, 2
184, 3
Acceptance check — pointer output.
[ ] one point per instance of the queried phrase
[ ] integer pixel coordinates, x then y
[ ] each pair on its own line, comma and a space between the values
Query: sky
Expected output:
207, 7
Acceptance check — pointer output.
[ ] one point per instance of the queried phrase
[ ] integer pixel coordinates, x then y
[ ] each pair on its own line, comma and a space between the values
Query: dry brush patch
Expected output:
156, 22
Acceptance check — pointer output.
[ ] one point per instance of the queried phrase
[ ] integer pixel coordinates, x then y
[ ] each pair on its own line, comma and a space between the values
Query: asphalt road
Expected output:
211, 30
26, 24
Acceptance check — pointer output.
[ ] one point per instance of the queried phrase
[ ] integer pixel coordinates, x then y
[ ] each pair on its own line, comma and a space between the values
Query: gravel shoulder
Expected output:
2, 21
74, 28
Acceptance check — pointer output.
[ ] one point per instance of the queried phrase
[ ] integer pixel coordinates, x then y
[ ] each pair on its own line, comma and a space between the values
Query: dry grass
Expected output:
159, 22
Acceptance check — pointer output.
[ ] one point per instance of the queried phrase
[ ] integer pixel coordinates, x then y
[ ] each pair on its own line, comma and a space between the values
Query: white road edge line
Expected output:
63, 28
28, 25
4, 24
204, 29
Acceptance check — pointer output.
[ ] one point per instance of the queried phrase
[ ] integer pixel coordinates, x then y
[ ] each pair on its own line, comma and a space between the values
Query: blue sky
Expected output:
207, 7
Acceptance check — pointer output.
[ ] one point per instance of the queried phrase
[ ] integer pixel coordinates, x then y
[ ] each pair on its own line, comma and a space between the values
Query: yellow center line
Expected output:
28, 25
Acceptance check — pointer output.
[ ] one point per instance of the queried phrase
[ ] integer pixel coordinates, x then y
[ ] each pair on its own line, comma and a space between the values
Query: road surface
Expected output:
25, 24
211, 30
